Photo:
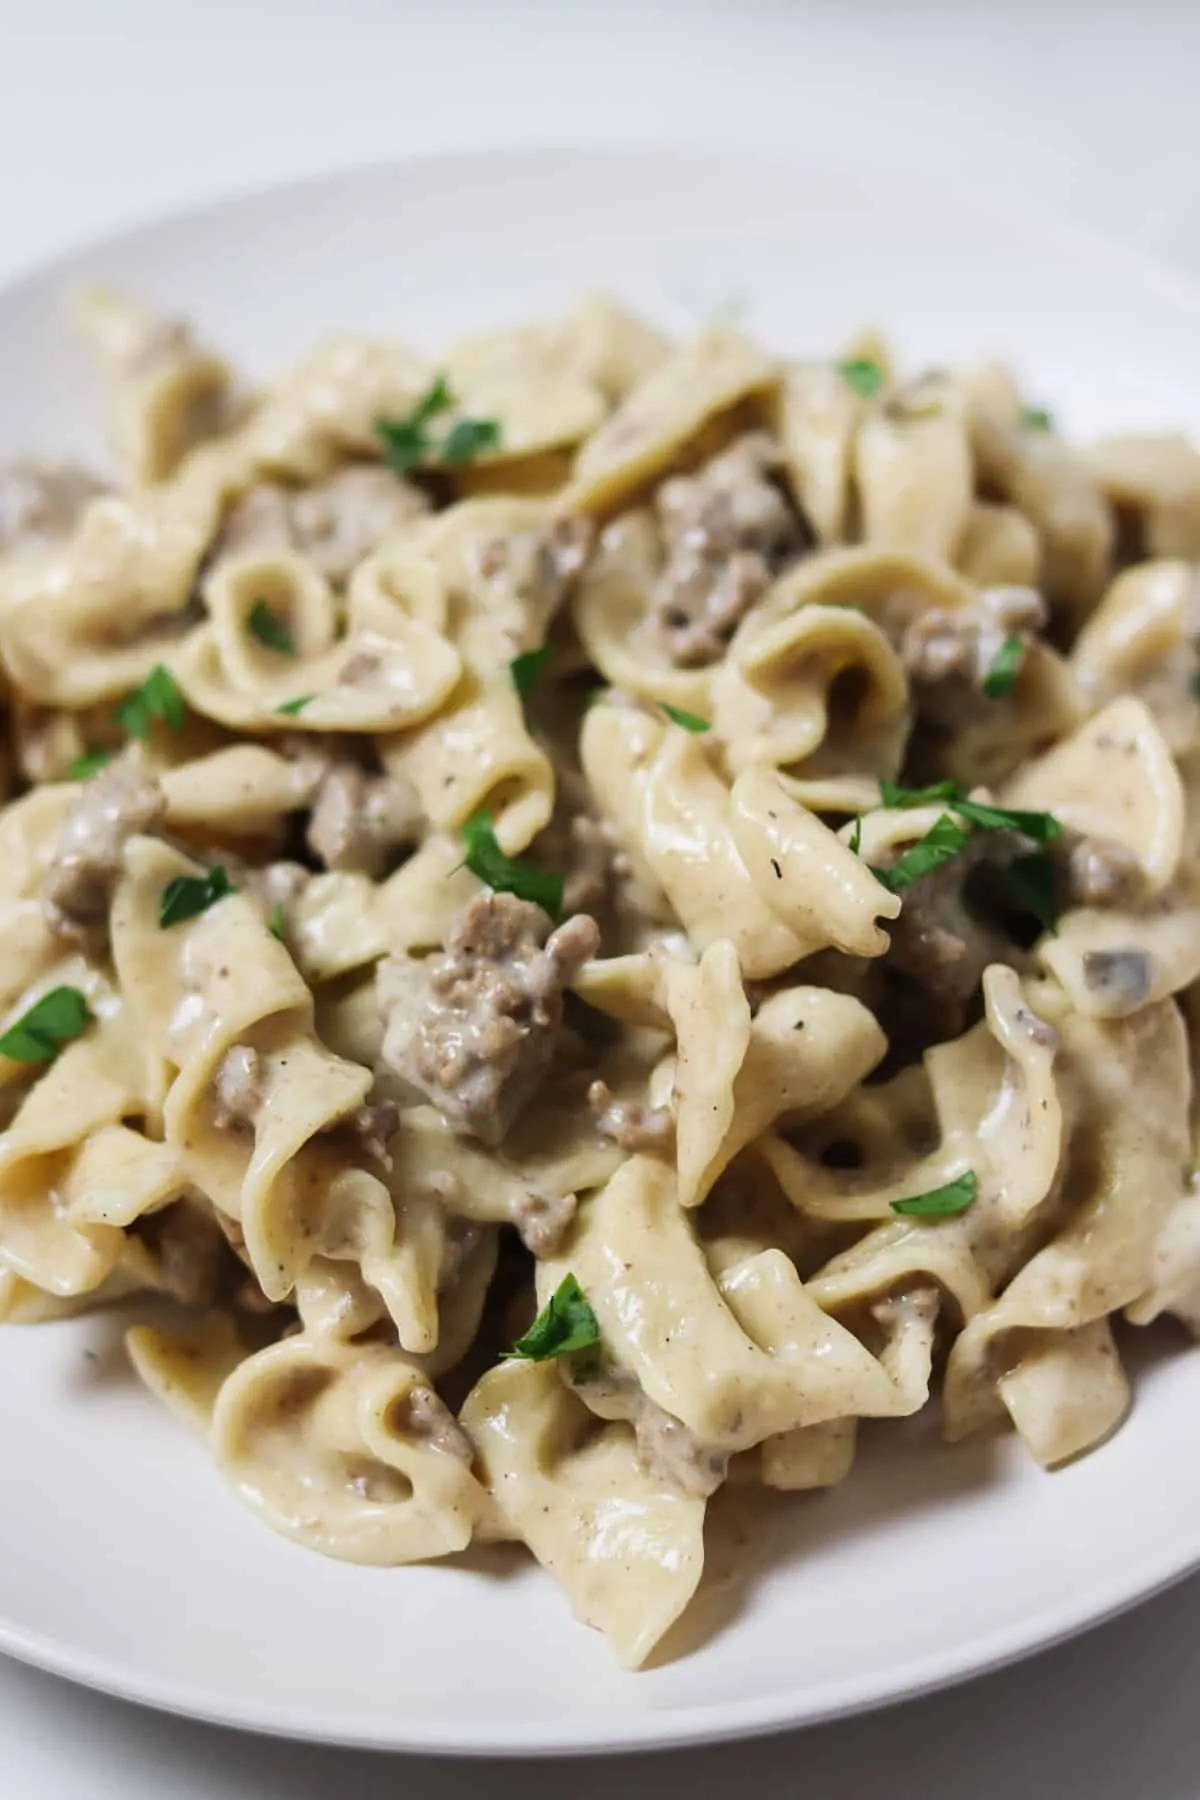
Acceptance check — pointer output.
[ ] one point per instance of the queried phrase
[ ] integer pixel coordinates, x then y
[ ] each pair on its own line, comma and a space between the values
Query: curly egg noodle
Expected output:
595, 912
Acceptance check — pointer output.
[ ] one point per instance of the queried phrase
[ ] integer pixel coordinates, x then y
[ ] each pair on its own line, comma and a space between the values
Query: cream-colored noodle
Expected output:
820, 1119
168, 391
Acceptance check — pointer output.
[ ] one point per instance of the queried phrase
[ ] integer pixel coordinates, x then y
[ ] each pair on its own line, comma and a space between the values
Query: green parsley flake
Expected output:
943, 1202
891, 794
1031, 880
941, 844
159, 697
466, 438
186, 896
269, 630
403, 444
503, 873
406, 441
51, 1022
689, 721
1032, 883
291, 707
1036, 418
528, 668
856, 836
863, 374
409, 441
1041, 827
565, 1324
276, 922
1001, 678
84, 767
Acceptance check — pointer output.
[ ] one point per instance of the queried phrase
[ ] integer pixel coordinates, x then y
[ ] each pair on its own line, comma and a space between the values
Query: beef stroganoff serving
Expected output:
597, 912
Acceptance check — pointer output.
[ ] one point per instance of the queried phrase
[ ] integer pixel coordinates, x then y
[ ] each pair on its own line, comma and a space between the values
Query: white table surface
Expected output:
111, 109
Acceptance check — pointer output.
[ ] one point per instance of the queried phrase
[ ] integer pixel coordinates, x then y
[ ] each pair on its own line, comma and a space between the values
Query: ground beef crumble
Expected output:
360, 821
474, 1028
543, 1221
948, 652
116, 804
728, 530
666, 1447
630, 1124
528, 574
368, 1130
333, 524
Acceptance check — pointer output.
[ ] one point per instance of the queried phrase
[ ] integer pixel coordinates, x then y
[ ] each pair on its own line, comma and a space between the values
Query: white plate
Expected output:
124, 1561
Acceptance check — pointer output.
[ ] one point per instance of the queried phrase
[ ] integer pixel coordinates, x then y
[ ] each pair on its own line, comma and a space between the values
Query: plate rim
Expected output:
1177, 285
674, 1728
697, 1723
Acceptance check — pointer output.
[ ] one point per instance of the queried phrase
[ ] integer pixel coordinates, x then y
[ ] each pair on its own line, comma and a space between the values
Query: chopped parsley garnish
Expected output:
406, 441
943, 1202
186, 896
291, 707
159, 697
1001, 678
949, 835
466, 438
689, 721
269, 630
51, 1022
1032, 883
856, 836
941, 844
84, 767
527, 669
891, 794
1036, 418
565, 1324
504, 873
1042, 827
863, 374
275, 922
409, 441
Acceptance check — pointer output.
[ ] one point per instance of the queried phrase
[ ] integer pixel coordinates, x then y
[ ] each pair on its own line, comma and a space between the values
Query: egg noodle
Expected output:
593, 913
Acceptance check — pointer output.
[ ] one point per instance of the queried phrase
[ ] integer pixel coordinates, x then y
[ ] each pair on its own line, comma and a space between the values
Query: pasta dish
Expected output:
593, 913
